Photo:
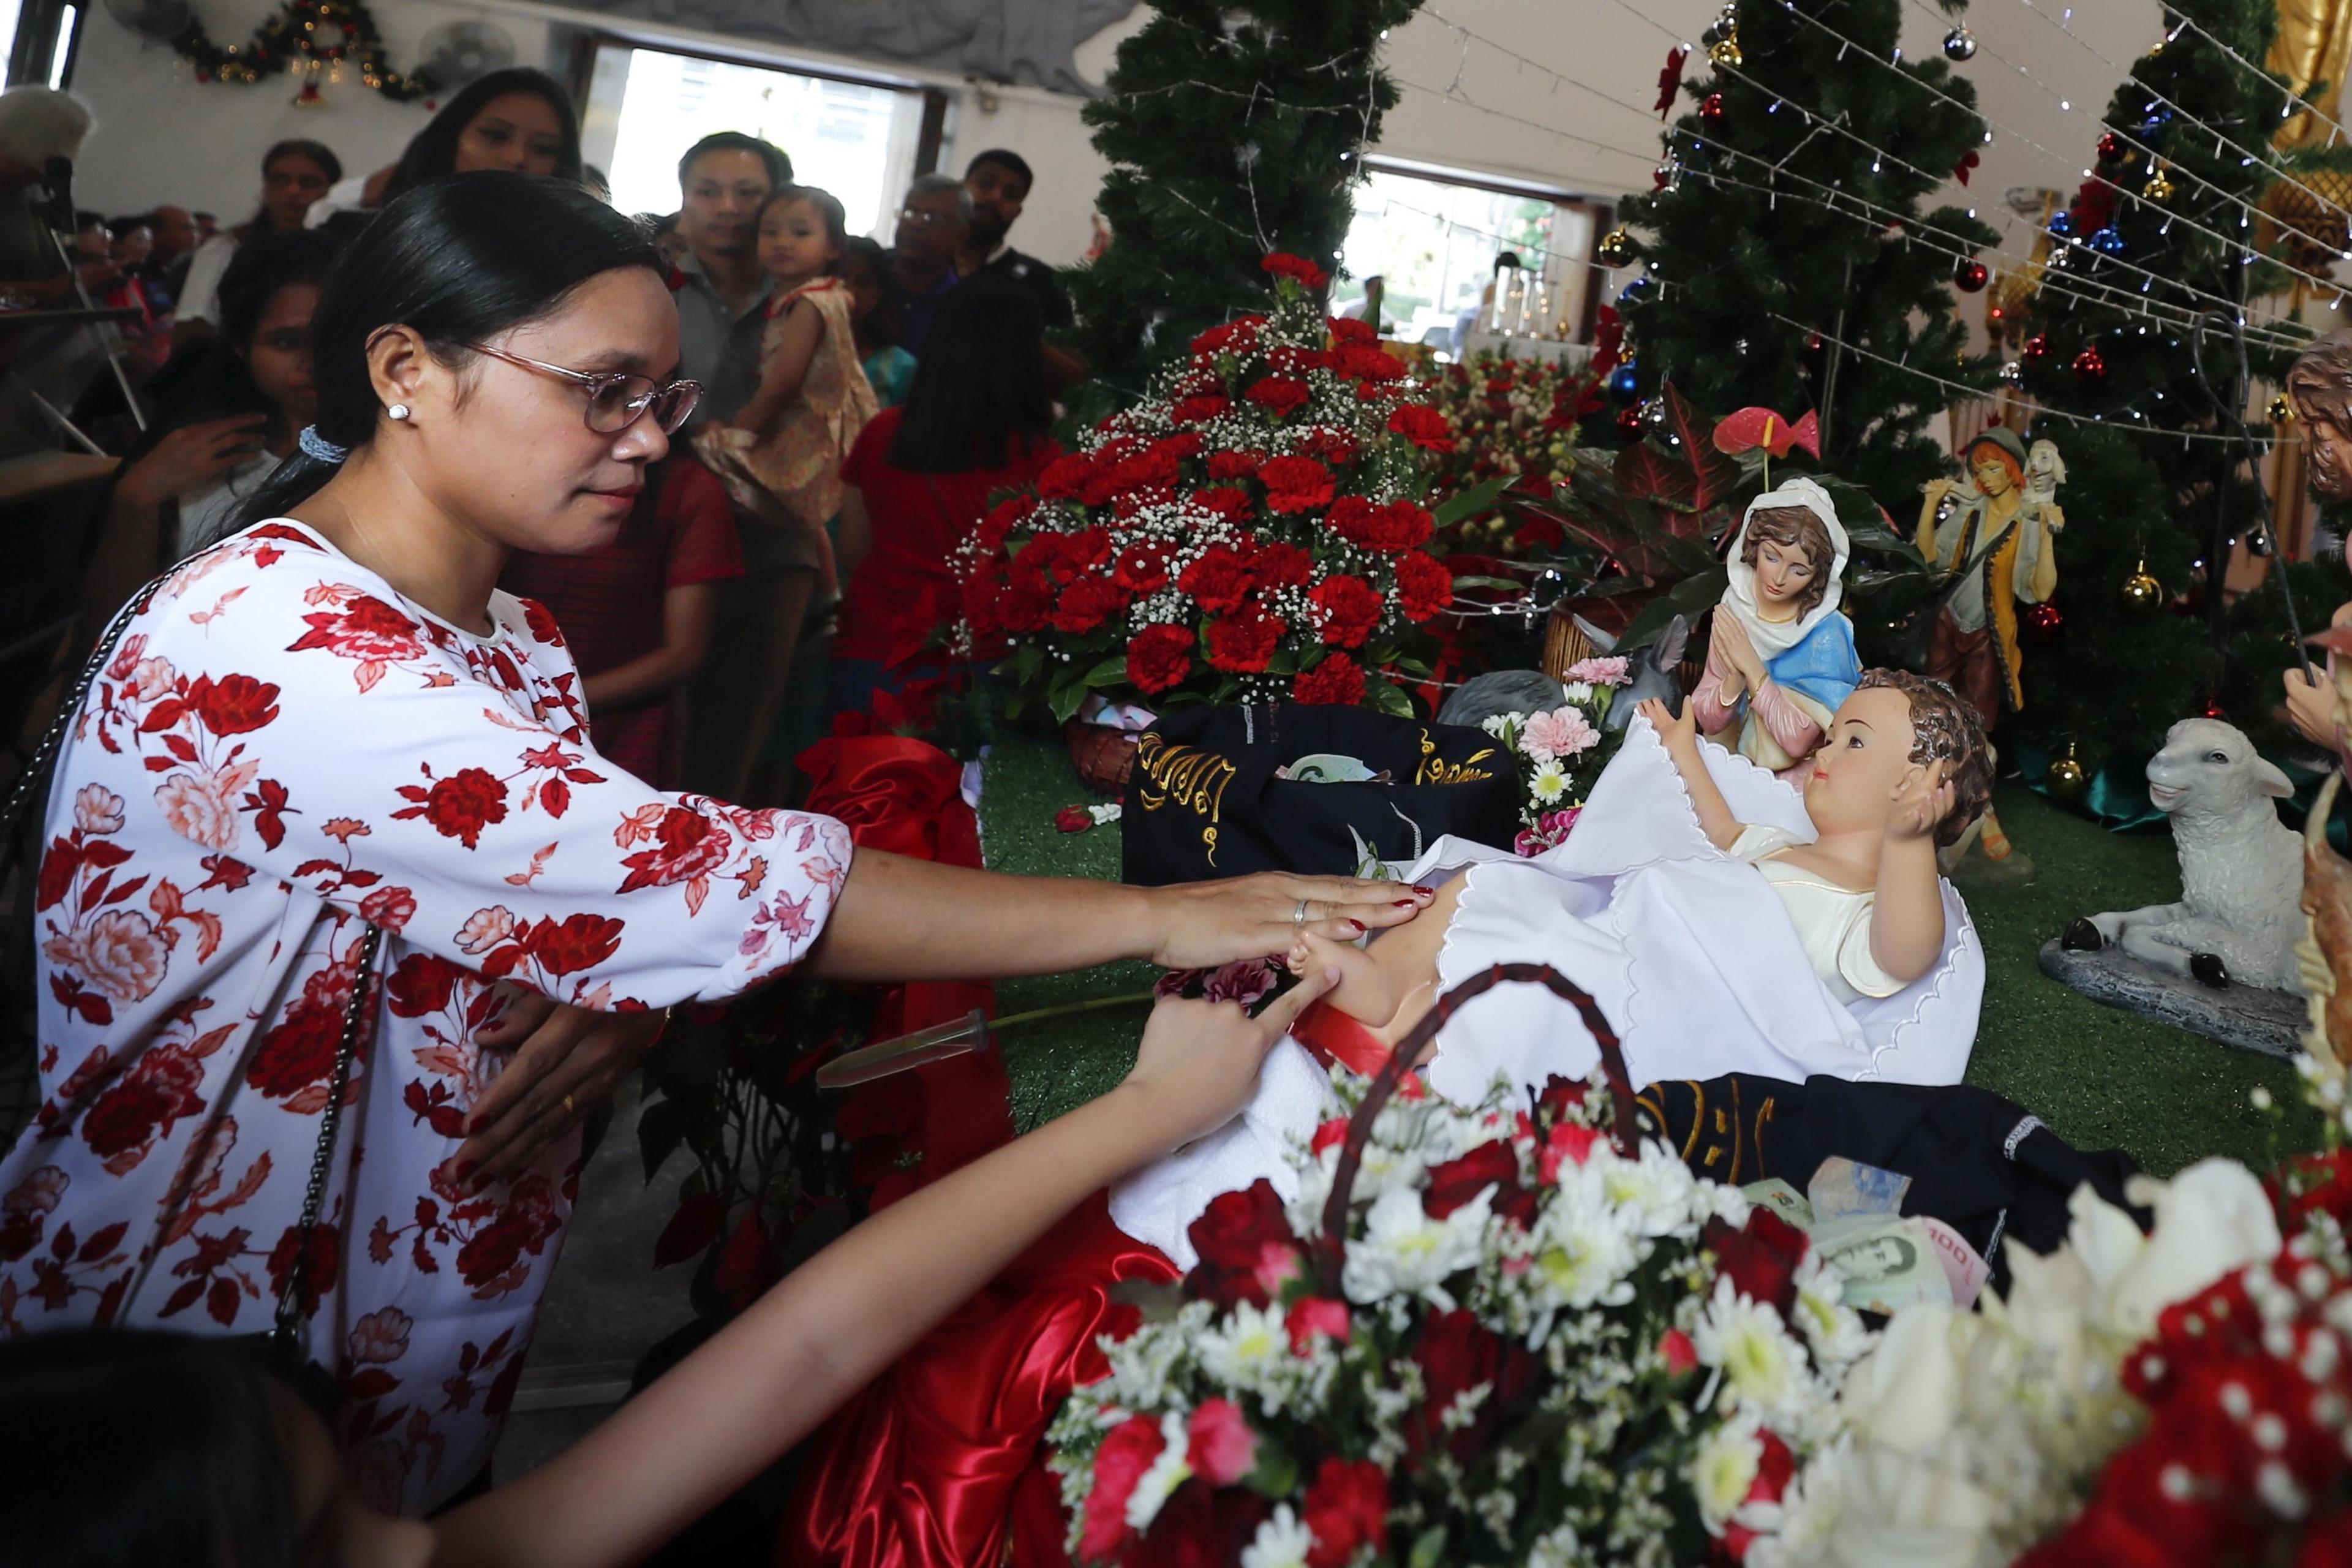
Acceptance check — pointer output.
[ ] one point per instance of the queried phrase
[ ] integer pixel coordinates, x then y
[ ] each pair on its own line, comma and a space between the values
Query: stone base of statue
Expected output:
2247, 1017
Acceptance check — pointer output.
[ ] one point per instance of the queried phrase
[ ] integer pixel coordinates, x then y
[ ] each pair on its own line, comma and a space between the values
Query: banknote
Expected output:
1845, 1189
1963, 1266
1888, 1263
1782, 1199
1326, 767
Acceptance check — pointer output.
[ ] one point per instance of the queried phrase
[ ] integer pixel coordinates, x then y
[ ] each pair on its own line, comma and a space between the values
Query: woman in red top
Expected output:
637, 614
920, 477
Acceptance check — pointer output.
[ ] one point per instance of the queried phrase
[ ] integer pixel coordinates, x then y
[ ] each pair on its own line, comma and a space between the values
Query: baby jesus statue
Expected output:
1723, 921
1862, 896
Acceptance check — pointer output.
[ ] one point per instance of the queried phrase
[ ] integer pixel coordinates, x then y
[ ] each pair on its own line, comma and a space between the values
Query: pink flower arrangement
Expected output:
1560, 734
1607, 670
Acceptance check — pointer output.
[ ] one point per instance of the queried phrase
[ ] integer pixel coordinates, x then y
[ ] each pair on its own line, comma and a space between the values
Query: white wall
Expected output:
164, 136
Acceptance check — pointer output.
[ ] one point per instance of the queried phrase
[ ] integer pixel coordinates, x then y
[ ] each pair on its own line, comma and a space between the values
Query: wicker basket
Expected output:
1103, 754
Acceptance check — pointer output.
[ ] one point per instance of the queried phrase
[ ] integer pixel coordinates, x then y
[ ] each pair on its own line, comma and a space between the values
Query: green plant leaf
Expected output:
1387, 698
1471, 502
1111, 671
1429, 1550
1686, 598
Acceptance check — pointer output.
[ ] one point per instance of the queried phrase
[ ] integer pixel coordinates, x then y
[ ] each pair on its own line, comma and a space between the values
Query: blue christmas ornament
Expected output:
2153, 126
1625, 386
2061, 225
1640, 292
2108, 241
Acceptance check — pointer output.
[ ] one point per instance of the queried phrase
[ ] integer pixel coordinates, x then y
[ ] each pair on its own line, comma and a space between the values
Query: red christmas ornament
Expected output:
1815, 343
1969, 276
2037, 349
1629, 423
2042, 624
1711, 112
2091, 367
2213, 709
2111, 148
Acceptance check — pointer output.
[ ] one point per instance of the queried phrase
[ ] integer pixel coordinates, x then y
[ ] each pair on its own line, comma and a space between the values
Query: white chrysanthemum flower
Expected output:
1723, 1470
1247, 1350
1172, 1469
1653, 1193
1549, 784
1761, 1367
1834, 1329
1496, 724
1585, 1266
1556, 1548
1282, 1541
1405, 1253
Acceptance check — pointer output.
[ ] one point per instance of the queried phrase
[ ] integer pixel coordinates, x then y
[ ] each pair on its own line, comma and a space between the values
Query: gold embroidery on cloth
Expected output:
1193, 779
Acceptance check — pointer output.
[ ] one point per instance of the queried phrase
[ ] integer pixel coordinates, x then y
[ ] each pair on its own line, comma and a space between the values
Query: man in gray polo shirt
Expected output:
722, 182
722, 296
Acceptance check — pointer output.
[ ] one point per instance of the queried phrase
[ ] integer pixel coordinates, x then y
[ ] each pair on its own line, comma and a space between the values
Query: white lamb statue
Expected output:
2241, 867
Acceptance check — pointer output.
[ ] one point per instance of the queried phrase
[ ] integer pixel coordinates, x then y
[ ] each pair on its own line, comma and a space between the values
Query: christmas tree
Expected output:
1231, 132
2156, 259
1789, 264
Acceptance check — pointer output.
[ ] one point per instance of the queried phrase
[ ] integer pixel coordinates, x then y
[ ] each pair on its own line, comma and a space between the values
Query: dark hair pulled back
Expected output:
457, 261
154, 1450
432, 152
980, 383
302, 147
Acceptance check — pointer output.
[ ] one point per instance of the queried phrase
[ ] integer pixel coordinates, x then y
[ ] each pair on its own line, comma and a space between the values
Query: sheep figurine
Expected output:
2240, 913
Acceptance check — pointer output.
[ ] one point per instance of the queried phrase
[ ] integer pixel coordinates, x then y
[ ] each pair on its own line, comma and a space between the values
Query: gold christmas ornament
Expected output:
2066, 779
2142, 592
1615, 249
2158, 187
2281, 409
1724, 52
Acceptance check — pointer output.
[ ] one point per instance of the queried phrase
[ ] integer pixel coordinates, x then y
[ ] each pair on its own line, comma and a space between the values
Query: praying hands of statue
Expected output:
1731, 642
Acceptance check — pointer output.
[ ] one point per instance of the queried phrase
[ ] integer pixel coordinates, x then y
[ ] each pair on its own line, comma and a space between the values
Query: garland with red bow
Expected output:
310, 38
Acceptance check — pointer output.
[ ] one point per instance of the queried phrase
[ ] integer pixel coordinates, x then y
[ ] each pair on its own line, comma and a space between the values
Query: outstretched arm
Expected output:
1907, 923
1680, 738
772, 1375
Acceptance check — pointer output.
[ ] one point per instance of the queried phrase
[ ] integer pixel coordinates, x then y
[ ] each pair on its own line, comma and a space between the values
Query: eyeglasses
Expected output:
927, 219
617, 399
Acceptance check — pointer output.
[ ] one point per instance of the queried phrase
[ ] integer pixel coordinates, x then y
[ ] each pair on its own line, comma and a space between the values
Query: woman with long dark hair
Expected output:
325, 831
921, 477
228, 413
295, 176
519, 119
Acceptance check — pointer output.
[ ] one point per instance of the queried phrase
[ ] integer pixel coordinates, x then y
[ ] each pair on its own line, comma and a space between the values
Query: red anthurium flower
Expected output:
1753, 427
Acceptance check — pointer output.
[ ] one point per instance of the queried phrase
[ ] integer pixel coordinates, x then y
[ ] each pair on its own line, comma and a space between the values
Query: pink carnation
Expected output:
1563, 733
1224, 1450
1599, 672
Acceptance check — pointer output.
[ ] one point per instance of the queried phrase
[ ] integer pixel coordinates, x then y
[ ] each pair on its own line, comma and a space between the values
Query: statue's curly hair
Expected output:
1944, 729
2319, 383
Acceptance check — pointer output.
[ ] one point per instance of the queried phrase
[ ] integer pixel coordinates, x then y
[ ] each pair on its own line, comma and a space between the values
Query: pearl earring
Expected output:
398, 411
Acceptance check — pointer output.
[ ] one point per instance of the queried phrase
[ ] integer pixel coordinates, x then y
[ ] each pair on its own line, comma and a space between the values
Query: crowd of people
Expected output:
471, 519
789, 558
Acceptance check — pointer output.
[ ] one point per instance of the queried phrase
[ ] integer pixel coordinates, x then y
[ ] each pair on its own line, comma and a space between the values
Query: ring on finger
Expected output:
567, 1105
1298, 916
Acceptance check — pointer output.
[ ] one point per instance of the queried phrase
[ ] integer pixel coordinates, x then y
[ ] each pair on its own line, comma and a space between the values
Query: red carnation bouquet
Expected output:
1519, 1332
1255, 531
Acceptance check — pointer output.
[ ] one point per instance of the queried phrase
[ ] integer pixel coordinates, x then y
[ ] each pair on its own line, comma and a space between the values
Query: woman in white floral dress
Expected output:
333, 723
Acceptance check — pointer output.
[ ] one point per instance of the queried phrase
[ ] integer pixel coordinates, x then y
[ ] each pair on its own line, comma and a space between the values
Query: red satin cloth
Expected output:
939, 1463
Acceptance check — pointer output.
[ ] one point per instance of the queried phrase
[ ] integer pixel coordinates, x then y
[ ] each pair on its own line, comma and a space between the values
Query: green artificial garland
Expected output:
309, 39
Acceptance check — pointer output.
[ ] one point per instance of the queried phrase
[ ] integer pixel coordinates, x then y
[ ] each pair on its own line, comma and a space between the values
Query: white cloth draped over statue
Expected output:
1688, 950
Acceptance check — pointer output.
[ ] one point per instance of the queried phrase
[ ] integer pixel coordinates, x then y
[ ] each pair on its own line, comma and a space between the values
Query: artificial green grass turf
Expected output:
2099, 1078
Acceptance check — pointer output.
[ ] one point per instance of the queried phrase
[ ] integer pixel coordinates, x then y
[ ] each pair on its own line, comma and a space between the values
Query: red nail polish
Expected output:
1424, 892
1405, 904
1359, 925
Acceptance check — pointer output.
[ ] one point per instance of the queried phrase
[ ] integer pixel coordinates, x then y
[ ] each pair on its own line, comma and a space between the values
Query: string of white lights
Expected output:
1468, 34
2246, 158
1977, 394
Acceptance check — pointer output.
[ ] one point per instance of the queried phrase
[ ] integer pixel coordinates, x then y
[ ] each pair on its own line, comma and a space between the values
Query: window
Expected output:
1431, 237
645, 106
61, 49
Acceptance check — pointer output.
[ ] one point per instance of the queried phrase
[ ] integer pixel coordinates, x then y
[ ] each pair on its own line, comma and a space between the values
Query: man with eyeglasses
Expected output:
932, 226
999, 181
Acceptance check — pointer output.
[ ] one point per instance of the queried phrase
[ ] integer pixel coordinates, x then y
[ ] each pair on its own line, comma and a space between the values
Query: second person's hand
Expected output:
1201, 925
1198, 1061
